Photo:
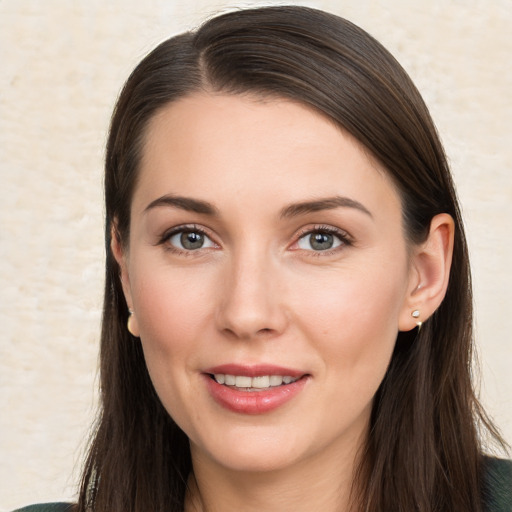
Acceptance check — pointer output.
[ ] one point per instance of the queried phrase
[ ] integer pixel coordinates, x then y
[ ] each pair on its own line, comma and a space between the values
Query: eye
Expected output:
320, 240
190, 240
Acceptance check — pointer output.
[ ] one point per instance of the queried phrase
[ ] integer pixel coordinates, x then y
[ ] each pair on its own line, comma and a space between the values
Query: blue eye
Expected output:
319, 241
190, 240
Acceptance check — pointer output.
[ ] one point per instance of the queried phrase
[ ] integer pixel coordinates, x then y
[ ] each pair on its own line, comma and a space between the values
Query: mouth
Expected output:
253, 384
248, 389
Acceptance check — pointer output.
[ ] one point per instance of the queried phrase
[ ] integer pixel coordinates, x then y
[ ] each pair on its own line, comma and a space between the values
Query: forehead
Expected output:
215, 144
237, 119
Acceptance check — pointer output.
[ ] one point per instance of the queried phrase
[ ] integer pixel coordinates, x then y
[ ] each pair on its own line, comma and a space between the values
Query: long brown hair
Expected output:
423, 451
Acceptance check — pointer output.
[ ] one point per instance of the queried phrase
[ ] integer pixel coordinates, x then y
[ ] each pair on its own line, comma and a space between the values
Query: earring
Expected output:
130, 323
416, 314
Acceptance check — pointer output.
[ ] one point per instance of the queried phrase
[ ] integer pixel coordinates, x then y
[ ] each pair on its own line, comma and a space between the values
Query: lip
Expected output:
254, 402
257, 370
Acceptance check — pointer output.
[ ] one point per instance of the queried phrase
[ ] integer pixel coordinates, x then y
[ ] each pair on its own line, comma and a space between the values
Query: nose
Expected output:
251, 302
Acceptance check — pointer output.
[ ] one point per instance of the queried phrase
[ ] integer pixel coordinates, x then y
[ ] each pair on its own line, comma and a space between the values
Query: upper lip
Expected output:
257, 370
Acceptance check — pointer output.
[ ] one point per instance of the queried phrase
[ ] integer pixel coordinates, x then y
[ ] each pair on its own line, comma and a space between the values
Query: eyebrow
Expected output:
292, 210
183, 203
329, 203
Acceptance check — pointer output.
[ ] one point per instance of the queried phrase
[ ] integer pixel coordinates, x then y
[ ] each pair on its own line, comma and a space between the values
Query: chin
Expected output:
256, 461
254, 452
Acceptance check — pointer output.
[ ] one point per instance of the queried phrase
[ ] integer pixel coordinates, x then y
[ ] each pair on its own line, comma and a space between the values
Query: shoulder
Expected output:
47, 507
497, 488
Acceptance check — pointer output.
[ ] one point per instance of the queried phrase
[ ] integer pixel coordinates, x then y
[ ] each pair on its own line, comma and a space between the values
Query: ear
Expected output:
429, 273
121, 256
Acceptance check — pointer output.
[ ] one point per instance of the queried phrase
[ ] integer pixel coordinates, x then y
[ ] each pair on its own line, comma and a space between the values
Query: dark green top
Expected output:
47, 507
497, 491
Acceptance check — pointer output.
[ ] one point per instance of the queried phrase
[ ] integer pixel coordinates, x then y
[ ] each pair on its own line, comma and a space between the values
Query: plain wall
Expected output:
62, 65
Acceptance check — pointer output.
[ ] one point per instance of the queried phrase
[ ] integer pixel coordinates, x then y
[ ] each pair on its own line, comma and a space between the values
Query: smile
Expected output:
254, 390
260, 383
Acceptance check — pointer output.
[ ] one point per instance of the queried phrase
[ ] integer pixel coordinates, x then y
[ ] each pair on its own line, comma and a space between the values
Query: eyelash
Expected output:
187, 228
344, 238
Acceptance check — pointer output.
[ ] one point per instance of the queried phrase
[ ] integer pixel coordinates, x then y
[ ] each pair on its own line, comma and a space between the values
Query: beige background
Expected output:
62, 65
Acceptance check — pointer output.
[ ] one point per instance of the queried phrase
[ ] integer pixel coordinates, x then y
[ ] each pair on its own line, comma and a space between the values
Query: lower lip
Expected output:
254, 402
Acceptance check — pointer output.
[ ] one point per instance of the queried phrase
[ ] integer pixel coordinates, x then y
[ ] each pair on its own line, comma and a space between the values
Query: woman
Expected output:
283, 326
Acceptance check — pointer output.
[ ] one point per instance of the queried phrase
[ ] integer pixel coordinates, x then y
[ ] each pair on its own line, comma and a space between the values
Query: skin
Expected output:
258, 292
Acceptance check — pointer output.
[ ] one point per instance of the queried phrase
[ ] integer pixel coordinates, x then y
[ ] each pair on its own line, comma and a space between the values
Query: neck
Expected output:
318, 483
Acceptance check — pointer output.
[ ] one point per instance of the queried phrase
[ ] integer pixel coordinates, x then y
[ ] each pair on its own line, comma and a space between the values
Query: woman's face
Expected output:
266, 248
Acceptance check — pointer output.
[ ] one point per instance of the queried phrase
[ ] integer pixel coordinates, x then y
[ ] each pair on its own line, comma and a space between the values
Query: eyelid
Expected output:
169, 233
345, 238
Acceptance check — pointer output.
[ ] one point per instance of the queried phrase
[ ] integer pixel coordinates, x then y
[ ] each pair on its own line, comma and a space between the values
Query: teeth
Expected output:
275, 380
261, 382
243, 382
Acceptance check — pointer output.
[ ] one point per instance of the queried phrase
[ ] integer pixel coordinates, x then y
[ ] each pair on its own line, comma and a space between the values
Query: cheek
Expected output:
353, 316
172, 308
173, 311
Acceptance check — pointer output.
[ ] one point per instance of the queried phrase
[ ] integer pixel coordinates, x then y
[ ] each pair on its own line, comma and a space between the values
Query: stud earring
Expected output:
416, 314
130, 323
